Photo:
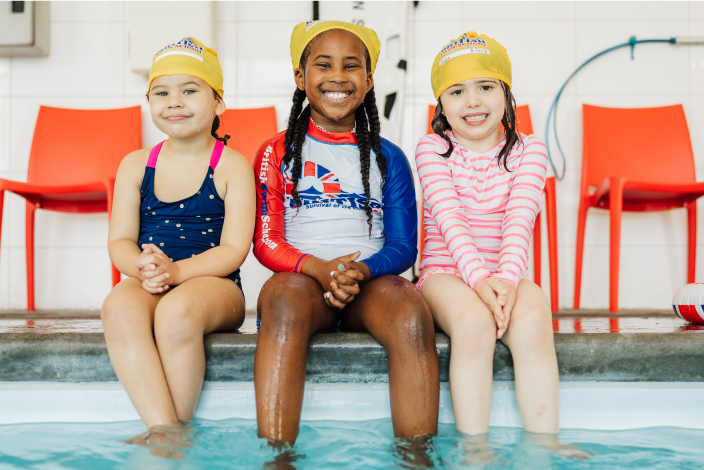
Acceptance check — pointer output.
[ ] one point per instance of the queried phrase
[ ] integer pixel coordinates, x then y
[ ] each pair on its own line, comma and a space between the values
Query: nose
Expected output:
337, 74
473, 99
175, 100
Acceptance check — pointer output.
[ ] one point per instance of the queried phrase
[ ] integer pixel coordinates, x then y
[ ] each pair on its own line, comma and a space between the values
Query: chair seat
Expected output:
79, 198
639, 196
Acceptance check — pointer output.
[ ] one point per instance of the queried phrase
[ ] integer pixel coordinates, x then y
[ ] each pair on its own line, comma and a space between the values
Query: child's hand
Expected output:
158, 272
343, 283
499, 296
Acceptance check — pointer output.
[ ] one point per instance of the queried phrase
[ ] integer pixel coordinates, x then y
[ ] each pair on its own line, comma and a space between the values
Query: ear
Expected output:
299, 77
370, 81
220, 107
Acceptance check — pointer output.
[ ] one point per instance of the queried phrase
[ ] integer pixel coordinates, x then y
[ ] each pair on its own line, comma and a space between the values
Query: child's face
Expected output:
183, 106
336, 78
474, 109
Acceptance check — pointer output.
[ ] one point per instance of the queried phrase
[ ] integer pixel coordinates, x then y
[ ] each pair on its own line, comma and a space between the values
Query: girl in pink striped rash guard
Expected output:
482, 191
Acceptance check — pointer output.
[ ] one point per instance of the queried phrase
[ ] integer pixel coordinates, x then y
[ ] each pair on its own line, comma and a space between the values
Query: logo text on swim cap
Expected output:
310, 24
185, 46
463, 46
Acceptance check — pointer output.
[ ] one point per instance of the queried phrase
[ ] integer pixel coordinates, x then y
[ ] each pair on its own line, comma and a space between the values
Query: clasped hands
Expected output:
340, 280
500, 297
156, 270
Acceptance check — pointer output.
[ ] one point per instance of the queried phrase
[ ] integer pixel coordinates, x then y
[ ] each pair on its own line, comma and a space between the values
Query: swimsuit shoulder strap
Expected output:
154, 154
217, 153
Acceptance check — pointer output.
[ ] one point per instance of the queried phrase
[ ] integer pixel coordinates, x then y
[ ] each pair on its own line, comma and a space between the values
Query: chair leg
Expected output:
537, 244
551, 213
2, 204
581, 224
30, 208
691, 240
615, 210
110, 189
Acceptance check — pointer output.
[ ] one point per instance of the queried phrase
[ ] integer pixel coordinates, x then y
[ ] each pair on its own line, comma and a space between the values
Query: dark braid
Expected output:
440, 126
214, 131
295, 136
364, 145
368, 139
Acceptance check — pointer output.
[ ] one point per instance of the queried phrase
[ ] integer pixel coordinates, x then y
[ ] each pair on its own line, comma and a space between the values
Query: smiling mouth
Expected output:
477, 118
337, 96
176, 117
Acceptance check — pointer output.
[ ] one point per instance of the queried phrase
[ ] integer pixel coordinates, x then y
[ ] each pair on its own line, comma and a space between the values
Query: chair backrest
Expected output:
248, 129
76, 146
524, 124
650, 145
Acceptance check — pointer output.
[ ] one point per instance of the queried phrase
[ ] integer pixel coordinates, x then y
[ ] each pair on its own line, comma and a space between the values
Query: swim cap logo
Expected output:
462, 46
186, 46
311, 24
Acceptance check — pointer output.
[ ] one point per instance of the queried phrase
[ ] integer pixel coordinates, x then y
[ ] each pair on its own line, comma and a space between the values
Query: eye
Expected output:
160, 93
457, 92
189, 91
351, 66
324, 65
486, 87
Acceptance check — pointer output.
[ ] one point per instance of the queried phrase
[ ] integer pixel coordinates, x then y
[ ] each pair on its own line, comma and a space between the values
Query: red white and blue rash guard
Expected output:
331, 221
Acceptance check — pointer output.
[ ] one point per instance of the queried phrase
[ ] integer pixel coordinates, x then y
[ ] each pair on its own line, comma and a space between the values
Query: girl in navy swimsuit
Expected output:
183, 215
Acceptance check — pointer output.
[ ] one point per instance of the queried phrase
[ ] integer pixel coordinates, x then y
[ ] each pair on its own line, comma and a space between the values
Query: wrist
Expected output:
314, 268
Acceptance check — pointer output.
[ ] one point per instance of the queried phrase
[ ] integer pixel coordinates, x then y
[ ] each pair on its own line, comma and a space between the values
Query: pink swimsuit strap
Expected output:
217, 153
214, 159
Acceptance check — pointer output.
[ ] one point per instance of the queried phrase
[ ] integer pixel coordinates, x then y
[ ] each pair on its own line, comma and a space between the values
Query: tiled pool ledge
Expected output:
653, 347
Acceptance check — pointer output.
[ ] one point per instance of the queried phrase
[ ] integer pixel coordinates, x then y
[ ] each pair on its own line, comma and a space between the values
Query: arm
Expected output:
524, 202
446, 208
270, 245
124, 220
400, 218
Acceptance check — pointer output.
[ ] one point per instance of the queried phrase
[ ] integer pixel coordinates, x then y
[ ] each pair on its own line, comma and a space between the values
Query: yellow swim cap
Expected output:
469, 56
188, 57
304, 33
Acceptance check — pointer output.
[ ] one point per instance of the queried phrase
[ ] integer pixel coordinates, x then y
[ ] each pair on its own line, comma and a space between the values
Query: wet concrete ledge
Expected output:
339, 357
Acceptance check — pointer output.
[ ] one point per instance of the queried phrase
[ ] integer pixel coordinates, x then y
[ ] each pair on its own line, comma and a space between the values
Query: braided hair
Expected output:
368, 128
440, 125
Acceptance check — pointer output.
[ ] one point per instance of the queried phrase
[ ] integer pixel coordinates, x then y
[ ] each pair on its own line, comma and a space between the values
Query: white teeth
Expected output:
336, 95
480, 117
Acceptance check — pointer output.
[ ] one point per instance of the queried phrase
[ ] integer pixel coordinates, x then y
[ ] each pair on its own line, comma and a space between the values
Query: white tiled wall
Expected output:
88, 68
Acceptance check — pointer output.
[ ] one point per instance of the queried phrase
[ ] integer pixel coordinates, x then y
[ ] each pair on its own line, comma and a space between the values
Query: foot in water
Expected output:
553, 444
476, 449
165, 441
284, 456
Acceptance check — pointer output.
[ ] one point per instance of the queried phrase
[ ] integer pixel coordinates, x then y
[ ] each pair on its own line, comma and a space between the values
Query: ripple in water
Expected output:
233, 444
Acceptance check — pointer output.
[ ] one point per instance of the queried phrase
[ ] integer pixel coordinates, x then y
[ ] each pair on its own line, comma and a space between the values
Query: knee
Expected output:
176, 322
410, 323
473, 330
283, 304
534, 325
121, 315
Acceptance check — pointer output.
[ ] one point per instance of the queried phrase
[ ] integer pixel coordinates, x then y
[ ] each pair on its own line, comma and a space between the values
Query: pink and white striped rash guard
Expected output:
479, 217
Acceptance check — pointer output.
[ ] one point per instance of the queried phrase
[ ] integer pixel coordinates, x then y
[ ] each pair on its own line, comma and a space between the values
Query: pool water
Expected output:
233, 443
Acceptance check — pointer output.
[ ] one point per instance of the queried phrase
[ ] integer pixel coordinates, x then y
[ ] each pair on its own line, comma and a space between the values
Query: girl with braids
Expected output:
336, 220
482, 191
182, 257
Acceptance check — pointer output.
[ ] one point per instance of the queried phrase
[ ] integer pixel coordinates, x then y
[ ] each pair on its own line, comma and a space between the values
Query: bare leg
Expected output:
395, 314
128, 317
530, 338
183, 316
291, 309
460, 313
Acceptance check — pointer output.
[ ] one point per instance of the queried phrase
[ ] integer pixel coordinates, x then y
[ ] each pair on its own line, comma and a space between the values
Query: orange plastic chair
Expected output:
72, 166
248, 129
635, 169
525, 125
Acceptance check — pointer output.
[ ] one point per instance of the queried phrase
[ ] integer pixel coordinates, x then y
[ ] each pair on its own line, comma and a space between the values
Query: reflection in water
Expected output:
233, 444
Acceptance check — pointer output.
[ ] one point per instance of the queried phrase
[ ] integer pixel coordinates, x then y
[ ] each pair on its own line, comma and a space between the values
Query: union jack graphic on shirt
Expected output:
321, 187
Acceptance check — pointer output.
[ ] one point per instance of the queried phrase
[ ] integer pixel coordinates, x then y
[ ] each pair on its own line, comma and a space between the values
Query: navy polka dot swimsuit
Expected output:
184, 228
